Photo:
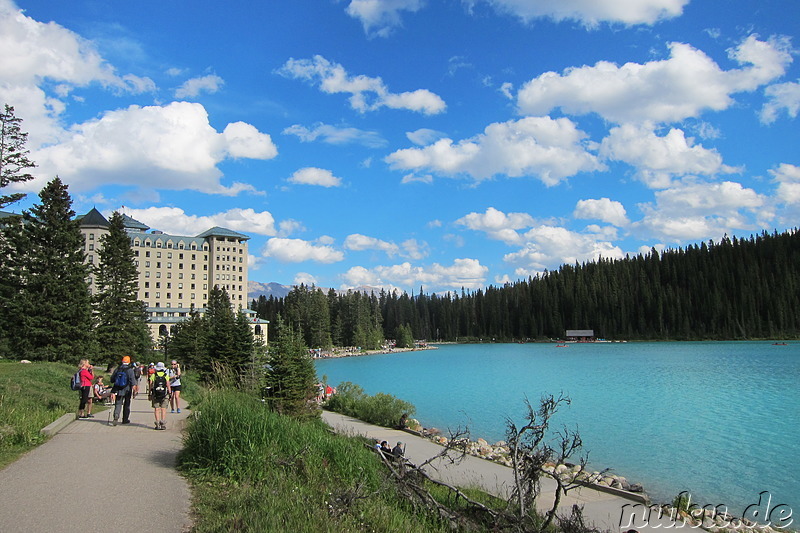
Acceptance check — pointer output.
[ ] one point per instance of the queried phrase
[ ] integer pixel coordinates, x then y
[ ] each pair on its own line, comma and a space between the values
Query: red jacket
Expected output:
86, 377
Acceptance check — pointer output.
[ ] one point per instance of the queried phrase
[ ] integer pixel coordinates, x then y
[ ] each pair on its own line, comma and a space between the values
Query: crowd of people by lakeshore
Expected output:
161, 384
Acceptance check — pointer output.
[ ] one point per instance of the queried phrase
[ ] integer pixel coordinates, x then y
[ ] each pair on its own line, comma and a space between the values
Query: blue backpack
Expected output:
121, 378
75, 382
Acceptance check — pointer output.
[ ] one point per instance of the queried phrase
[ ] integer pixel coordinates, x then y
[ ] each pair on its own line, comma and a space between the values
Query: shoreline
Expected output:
358, 352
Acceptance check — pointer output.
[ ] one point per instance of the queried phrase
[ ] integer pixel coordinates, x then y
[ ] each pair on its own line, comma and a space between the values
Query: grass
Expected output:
31, 397
254, 470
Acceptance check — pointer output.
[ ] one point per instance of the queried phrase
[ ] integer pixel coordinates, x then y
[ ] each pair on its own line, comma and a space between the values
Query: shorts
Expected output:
175, 388
160, 404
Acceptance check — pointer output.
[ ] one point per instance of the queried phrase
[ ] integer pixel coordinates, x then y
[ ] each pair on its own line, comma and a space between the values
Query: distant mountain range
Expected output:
256, 289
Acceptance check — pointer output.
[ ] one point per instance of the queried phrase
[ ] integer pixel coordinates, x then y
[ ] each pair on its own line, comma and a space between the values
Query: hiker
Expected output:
159, 394
86, 373
387, 451
403, 423
125, 387
174, 373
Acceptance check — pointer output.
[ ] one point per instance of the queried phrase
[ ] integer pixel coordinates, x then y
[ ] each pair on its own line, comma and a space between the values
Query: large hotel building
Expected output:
176, 272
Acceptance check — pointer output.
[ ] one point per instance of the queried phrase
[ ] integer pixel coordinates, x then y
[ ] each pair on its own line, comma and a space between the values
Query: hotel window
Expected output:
158, 274
158, 255
169, 275
180, 266
147, 253
158, 264
146, 284
158, 284
169, 255
194, 257
180, 296
90, 259
91, 247
180, 275
158, 244
147, 264
169, 264
158, 295
147, 273
192, 296
169, 285
147, 295
193, 266
136, 263
91, 236
169, 295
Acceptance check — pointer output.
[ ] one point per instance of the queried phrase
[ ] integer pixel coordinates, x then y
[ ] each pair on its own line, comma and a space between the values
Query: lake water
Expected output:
719, 419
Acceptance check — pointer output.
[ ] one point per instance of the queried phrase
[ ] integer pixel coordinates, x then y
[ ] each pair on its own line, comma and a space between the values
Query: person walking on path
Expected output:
174, 373
125, 387
160, 391
86, 373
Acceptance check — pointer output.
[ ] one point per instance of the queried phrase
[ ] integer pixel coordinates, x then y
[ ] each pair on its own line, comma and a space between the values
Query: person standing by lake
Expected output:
126, 388
174, 373
86, 373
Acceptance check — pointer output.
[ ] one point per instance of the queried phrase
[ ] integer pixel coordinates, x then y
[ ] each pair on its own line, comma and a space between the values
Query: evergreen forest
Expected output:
735, 289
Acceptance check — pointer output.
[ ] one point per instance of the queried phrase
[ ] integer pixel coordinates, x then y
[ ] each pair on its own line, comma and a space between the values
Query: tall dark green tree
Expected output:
188, 342
53, 305
121, 320
290, 381
14, 162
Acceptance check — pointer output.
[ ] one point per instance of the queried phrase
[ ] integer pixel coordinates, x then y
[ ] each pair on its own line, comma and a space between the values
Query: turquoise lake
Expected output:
718, 419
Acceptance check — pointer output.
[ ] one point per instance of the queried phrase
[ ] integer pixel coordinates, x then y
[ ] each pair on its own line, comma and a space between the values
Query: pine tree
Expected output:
189, 342
291, 377
14, 160
53, 305
121, 320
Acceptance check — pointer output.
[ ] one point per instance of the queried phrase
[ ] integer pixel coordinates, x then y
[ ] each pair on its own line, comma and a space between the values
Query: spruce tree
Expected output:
53, 304
14, 161
121, 320
290, 381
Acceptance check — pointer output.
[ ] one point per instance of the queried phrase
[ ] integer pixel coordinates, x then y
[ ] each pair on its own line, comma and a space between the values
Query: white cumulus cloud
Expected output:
163, 147
380, 17
684, 85
358, 242
604, 209
298, 250
498, 225
204, 84
548, 149
466, 273
658, 159
782, 96
315, 176
366, 93
175, 221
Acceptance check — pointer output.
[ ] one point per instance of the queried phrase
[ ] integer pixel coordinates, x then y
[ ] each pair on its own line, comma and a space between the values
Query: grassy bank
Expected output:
253, 470
31, 397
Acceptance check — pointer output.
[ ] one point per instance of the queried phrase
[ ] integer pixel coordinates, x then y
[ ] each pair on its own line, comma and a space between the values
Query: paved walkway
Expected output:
603, 510
95, 477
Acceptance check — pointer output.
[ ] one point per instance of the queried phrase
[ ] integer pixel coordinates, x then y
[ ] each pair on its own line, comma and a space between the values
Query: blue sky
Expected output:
416, 143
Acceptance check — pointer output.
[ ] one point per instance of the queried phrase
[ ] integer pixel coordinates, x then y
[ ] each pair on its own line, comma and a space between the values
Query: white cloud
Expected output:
782, 96
304, 278
697, 211
289, 226
413, 178
498, 225
424, 136
669, 90
415, 250
591, 12
315, 176
548, 247
603, 209
658, 159
366, 94
204, 84
788, 178
170, 147
298, 250
549, 149
336, 135
38, 56
175, 221
380, 17
358, 243
466, 273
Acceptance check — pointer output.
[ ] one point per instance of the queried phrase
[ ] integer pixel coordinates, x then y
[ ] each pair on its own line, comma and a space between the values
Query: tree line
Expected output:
746, 288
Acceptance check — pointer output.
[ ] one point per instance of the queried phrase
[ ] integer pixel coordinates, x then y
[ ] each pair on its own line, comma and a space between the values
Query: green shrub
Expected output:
380, 409
256, 470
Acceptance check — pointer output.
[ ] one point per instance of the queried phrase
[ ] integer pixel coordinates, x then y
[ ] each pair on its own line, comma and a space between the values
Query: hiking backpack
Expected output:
75, 382
121, 378
159, 386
